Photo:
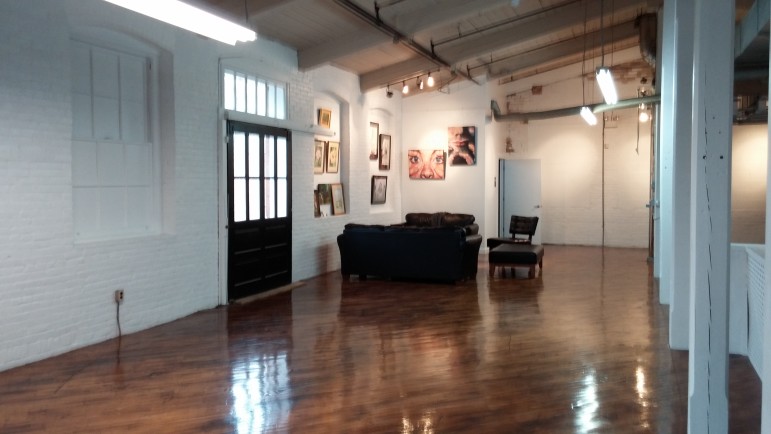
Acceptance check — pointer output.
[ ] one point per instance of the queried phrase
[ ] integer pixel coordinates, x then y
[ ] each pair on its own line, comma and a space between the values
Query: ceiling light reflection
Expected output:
586, 406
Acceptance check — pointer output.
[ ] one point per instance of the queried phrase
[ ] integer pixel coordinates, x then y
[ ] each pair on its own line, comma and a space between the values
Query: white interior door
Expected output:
519, 193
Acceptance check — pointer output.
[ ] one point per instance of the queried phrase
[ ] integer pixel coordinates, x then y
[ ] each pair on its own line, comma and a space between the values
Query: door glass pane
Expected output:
254, 155
270, 199
254, 199
239, 199
270, 155
281, 171
261, 97
281, 195
240, 92
239, 154
251, 93
229, 90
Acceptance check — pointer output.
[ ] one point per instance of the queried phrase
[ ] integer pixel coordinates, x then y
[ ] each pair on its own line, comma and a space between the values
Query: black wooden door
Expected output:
260, 209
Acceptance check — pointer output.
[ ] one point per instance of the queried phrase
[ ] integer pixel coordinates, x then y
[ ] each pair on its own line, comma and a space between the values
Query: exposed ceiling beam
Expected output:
394, 73
398, 36
349, 44
559, 19
407, 24
431, 15
621, 36
575, 46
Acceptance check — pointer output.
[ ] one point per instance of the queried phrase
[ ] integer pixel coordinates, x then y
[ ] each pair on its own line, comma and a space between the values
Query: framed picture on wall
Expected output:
338, 201
384, 161
379, 186
316, 208
426, 163
319, 152
461, 143
325, 199
374, 131
333, 157
325, 118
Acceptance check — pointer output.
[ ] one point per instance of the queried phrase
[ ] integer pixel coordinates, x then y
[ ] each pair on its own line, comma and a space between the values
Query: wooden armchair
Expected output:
521, 229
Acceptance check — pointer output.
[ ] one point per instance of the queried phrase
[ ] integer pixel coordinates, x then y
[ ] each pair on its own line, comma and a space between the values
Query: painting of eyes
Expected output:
426, 163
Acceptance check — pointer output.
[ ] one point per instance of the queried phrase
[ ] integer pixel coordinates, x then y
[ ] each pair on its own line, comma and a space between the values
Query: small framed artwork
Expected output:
374, 131
325, 118
379, 186
426, 163
333, 157
319, 151
384, 161
325, 199
338, 201
316, 208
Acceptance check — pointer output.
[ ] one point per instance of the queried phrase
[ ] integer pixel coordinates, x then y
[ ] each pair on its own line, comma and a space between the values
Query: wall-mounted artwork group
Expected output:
326, 157
432, 163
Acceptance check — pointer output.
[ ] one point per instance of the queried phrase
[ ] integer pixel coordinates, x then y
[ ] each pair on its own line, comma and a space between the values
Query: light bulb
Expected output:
405, 88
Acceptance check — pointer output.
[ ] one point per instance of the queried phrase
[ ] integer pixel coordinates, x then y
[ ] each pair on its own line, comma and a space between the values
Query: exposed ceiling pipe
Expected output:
570, 111
376, 22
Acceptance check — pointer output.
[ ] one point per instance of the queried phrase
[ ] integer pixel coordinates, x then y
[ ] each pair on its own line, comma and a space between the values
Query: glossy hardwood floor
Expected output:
581, 349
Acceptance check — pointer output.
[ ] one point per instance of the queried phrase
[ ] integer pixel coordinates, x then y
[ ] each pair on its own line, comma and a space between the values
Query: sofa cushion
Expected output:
419, 219
451, 219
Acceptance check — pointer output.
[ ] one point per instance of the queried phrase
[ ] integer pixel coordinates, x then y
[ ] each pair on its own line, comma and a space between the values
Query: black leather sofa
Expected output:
447, 252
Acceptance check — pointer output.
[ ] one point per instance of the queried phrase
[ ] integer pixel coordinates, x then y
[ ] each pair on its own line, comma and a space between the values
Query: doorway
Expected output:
519, 193
259, 209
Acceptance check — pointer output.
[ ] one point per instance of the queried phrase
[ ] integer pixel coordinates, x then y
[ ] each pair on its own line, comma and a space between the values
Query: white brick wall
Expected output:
57, 294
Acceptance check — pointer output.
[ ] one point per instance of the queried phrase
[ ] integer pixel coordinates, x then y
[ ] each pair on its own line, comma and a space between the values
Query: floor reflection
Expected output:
260, 390
586, 405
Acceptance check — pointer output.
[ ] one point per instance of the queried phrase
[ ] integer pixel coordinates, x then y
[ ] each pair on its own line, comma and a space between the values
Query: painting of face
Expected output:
462, 146
426, 163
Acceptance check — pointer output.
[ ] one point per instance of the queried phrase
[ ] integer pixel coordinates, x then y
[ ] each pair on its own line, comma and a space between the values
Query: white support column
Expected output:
681, 258
710, 217
765, 410
665, 244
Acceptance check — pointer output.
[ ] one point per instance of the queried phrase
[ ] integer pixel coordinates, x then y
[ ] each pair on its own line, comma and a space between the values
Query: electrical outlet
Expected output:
119, 296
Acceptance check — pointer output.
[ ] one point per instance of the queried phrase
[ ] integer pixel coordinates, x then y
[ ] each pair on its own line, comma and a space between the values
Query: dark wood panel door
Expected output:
259, 201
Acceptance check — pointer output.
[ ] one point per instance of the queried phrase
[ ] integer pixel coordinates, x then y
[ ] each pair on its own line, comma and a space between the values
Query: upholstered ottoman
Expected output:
516, 255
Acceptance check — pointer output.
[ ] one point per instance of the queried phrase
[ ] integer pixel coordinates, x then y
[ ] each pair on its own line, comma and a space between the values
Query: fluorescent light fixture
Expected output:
608, 88
190, 18
430, 80
588, 116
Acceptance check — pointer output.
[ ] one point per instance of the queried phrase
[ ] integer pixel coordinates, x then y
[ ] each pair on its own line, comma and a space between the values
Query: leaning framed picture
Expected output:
319, 151
325, 118
338, 201
384, 161
379, 186
333, 157
374, 131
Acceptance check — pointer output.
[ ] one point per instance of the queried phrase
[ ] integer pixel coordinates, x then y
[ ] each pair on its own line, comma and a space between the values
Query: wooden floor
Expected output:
581, 349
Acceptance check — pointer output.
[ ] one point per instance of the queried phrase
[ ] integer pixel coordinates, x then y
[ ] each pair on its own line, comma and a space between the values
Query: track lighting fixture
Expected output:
389, 93
430, 80
405, 88
420, 84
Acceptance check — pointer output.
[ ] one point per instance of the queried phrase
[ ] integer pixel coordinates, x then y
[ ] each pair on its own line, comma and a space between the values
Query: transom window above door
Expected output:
254, 95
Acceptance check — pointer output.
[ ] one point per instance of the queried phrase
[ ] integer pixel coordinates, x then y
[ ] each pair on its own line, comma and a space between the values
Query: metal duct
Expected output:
570, 111
647, 25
